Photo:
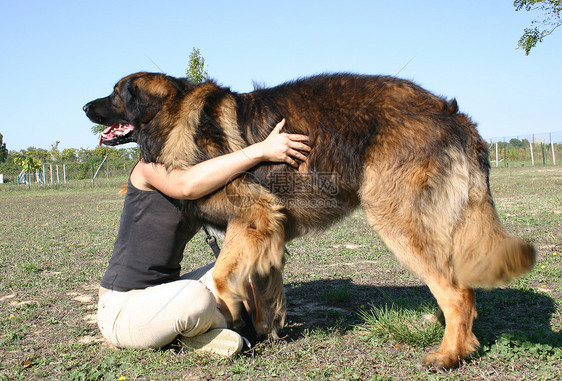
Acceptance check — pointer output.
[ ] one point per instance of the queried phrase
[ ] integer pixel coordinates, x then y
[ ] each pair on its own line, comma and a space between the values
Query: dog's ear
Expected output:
129, 91
140, 105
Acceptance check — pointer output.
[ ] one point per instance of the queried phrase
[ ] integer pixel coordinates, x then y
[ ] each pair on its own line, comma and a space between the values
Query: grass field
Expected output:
352, 310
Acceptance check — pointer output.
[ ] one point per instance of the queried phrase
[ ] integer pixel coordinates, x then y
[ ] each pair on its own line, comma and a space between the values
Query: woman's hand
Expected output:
282, 147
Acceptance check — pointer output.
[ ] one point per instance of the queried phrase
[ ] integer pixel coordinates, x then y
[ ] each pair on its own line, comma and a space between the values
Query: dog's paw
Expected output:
439, 360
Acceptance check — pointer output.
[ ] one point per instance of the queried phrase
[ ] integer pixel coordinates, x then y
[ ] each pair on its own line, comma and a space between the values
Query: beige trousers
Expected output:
155, 316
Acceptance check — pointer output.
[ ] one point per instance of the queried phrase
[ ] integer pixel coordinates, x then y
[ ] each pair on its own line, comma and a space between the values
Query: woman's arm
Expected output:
210, 175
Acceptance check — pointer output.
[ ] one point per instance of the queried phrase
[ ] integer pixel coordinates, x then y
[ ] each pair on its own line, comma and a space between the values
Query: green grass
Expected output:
401, 325
336, 294
353, 312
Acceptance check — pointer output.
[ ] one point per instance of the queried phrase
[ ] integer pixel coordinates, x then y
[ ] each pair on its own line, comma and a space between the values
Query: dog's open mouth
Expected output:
118, 133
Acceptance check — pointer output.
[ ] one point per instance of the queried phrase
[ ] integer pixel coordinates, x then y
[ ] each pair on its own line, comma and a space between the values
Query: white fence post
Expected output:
552, 148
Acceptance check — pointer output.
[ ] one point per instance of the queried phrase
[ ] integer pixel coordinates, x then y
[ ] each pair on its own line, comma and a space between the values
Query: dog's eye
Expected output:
115, 98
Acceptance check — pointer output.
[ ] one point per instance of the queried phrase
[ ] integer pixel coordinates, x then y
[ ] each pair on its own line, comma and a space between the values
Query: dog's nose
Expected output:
86, 107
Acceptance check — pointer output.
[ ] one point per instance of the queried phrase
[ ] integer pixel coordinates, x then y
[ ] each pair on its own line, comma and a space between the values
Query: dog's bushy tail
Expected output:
485, 255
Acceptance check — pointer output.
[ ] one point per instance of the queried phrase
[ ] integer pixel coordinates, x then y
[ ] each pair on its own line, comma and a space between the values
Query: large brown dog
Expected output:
414, 163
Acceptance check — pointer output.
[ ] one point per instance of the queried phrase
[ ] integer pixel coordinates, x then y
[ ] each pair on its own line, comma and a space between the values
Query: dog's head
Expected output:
131, 112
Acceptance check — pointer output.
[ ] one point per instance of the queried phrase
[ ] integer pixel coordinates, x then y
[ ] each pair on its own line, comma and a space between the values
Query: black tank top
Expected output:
149, 247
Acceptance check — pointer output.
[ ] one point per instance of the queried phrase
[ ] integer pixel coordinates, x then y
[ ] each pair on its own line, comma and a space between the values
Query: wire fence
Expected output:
72, 173
522, 150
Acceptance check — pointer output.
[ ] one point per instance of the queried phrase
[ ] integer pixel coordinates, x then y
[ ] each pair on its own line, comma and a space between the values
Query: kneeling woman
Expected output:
143, 301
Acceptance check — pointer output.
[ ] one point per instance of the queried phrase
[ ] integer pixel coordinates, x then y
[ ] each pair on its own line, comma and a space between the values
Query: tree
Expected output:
540, 28
40, 153
196, 70
69, 154
97, 129
516, 143
29, 163
55, 152
3, 149
132, 153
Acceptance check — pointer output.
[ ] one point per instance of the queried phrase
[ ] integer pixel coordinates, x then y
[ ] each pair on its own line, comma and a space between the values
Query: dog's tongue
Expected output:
114, 130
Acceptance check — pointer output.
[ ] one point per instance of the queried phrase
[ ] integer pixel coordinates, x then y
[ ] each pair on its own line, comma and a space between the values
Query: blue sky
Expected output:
58, 55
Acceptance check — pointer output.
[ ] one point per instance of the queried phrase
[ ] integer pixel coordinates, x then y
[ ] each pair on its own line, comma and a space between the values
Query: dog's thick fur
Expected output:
414, 163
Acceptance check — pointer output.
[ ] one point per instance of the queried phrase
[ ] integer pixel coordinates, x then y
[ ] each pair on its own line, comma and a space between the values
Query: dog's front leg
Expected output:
269, 302
253, 253
231, 273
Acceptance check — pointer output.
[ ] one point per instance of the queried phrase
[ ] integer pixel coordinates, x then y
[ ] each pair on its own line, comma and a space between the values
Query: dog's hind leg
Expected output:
459, 309
415, 207
456, 302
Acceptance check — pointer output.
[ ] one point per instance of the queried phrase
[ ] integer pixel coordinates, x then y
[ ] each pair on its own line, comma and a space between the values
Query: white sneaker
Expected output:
220, 341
